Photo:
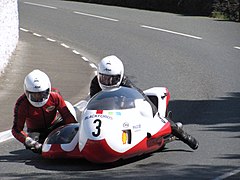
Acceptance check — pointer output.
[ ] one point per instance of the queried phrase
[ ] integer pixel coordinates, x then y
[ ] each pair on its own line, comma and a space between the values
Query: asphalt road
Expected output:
197, 58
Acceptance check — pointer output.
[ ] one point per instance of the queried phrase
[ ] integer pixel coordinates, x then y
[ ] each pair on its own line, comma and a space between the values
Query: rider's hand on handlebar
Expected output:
33, 145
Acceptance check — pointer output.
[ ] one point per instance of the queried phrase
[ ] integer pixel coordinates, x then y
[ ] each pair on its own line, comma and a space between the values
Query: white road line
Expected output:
52, 40
172, 32
38, 35
228, 174
6, 135
25, 30
95, 16
40, 5
85, 59
236, 47
64, 45
76, 52
93, 65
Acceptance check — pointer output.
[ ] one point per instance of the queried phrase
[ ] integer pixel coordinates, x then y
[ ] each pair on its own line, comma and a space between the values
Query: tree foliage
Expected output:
228, 8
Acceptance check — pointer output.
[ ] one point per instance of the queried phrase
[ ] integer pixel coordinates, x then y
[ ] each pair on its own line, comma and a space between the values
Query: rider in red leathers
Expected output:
42, 108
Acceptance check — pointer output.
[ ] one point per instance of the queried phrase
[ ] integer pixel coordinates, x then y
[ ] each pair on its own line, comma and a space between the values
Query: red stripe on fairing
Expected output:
168, 97
99, 111
57, 152
100, 152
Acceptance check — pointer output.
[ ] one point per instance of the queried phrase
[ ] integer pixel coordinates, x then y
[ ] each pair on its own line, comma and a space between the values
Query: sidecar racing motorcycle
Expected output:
114, 124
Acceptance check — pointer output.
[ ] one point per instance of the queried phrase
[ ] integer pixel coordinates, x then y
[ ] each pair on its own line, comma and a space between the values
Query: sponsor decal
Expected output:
126, 125
50, 108
124, 137
35, 113
138, 126
118, 113
97, 116
108, 70
114, 113
35, 80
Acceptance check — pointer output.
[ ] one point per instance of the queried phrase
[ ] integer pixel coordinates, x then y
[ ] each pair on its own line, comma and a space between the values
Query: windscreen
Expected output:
115, 99
63, 135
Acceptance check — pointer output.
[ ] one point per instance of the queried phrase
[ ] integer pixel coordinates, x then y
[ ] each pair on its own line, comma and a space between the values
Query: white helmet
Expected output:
37, 87
110, 72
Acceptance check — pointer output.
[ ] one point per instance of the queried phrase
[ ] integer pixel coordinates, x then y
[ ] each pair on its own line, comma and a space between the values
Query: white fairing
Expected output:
46, 147
71, 109
161, 94
70, 146
122, 127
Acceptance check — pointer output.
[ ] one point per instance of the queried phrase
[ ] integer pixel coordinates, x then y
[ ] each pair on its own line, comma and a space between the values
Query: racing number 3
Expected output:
98, 123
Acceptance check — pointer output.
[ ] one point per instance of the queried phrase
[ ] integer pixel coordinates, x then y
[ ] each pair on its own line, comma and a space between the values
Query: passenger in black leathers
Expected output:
111, 74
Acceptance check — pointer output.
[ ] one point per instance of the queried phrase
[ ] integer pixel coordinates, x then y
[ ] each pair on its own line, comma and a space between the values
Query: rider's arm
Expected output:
94, 87
19, 119
127, 83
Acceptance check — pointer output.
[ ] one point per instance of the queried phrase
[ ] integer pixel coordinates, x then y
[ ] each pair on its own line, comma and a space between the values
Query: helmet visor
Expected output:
38, 96
109, 80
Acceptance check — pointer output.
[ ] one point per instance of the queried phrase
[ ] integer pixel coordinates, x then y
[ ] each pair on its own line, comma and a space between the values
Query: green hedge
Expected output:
229, 8
193, 7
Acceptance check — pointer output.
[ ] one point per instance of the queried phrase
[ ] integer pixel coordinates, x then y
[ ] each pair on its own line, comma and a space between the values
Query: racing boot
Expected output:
183, 136
186, 138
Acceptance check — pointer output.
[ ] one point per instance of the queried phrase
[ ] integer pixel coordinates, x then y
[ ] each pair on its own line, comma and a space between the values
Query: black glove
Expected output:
33, 145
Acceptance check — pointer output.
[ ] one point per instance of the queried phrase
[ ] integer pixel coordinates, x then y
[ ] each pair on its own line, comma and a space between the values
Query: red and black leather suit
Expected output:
39, 119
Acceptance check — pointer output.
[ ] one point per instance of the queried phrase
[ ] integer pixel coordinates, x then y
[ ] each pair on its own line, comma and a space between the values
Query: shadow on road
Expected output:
81, 169
224, 110
29, 158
